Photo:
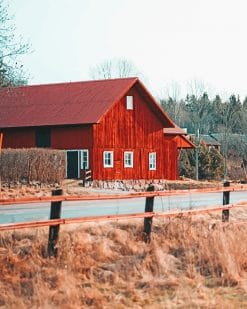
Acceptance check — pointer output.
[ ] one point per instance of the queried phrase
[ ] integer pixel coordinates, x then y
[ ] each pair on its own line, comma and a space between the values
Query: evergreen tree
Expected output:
211, 164
197, 108
245, 104
234, 114
187, 163
244, 116
216, 115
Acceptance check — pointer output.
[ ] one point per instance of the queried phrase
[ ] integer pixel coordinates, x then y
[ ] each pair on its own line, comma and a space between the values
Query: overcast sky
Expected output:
168, 40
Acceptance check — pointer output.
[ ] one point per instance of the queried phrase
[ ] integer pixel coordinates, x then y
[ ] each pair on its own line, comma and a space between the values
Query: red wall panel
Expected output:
72, 137
69, 137
19, 138
138, 130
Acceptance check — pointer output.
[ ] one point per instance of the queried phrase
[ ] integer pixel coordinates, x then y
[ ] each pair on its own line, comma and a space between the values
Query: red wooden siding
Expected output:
72, 137
19, 138
170, 161
138, 130
64, 137
1, 140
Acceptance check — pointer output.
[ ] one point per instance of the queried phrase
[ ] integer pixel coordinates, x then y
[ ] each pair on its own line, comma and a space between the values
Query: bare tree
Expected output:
195, 87
103, 70
11, 47
114, 68
172, 103
126, 68
173, 90
198, 87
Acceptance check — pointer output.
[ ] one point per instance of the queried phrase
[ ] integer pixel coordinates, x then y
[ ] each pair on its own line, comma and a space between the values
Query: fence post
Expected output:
149, 206
55, 213
226, 201
84, 175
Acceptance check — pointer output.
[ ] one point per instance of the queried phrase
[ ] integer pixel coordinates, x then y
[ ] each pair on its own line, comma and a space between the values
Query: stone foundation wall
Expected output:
124, 185
142, 184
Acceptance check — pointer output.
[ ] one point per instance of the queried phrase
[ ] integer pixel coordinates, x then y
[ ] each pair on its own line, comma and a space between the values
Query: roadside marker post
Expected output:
86, 175
226, 201
55, 213
149, 207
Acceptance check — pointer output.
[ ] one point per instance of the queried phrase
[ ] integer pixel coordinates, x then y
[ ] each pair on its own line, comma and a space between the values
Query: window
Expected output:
108, 158
152, 160
128, 159
129, 102
84, 159
43, 137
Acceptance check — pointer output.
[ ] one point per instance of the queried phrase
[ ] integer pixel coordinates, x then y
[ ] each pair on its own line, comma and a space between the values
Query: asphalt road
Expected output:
41, 211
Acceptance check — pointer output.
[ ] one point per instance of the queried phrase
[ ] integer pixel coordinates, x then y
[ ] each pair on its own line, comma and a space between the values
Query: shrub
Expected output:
211, 164
34, 164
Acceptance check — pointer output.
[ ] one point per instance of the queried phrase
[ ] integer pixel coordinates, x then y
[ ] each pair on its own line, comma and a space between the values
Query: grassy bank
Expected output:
190, 263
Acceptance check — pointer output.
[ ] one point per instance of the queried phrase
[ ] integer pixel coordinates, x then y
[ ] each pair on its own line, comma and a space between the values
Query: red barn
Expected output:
113, 127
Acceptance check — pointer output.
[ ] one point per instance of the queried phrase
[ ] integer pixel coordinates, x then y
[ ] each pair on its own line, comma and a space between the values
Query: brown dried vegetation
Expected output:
34, 164
190, 263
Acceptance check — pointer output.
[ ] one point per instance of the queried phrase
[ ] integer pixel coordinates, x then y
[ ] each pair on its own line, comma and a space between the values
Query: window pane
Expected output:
84, 159
128, 159
108, 158
152, 160
129, 102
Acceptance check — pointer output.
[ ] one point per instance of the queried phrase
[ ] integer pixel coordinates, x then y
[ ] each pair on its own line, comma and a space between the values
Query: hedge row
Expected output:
34, 164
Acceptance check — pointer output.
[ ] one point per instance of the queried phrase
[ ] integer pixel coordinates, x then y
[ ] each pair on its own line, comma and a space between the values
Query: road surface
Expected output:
41, 211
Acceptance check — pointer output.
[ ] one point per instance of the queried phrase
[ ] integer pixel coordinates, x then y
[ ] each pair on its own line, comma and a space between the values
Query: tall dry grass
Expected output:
190, 263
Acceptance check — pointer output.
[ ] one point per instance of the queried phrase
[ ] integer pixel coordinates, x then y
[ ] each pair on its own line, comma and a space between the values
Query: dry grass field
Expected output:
191, 262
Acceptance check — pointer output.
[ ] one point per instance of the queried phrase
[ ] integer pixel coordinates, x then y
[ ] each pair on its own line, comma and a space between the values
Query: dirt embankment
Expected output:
74, 187
193, 262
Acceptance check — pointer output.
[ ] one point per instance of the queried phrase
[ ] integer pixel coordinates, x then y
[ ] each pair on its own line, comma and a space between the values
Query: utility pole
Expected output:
225, 154
197, 140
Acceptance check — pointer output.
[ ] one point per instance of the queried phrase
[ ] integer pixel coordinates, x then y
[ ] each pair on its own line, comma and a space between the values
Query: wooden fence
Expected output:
94, 197
57, 198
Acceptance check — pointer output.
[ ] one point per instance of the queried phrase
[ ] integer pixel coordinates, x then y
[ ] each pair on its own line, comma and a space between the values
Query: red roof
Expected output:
65, 103
183, 142
174, 131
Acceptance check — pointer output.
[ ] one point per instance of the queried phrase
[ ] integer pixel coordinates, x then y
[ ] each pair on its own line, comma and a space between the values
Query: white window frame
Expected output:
106, 153
129, 102
82, 152
128, 159
152, 161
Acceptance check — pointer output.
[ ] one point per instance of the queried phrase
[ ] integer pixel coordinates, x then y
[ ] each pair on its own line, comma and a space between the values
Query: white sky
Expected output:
168, 40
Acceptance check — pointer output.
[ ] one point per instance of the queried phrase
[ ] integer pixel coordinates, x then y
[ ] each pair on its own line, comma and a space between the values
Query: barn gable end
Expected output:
139, 131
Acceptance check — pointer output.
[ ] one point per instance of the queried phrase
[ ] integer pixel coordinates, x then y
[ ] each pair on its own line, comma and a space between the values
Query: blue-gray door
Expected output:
72, 164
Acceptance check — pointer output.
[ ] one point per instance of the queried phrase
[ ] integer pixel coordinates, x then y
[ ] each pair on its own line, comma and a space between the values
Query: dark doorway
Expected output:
72, 164
43, 137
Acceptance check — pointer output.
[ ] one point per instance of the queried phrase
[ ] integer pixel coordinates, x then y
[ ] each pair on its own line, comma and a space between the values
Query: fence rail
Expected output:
57, 198
94, 197
168, 214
